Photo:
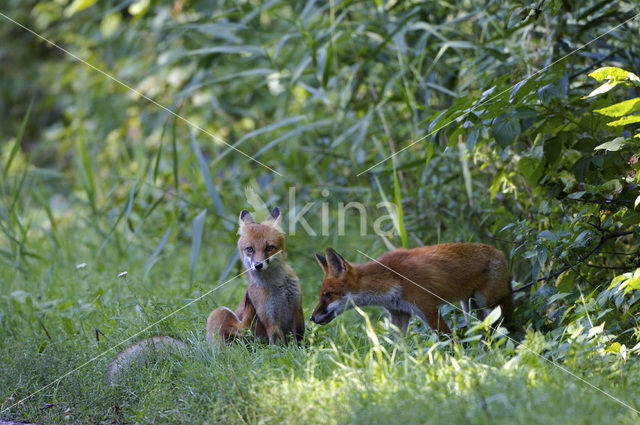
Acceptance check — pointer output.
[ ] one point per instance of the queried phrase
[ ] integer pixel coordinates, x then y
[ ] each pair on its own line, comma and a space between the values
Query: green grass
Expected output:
354, 370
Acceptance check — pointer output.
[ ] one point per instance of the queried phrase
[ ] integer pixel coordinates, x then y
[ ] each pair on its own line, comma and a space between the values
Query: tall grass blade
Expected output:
466, 173
197, 226
398, 200
174, 144
206, 175
156, 165
154, 256
16, 144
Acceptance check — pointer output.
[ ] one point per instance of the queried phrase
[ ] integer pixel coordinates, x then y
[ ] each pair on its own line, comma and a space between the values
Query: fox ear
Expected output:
274, 220
244, 219
323, 262
335, 263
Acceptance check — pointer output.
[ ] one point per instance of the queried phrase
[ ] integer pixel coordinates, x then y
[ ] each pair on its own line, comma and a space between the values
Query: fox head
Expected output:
339, 283
260, 244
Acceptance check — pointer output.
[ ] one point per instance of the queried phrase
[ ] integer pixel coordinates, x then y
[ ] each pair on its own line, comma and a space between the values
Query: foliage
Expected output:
503, 129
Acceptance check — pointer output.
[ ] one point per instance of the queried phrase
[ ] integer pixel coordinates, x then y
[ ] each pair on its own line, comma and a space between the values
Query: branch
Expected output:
580, 260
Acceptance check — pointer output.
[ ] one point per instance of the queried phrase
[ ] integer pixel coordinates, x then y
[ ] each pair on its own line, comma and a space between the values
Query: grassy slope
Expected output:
344, 375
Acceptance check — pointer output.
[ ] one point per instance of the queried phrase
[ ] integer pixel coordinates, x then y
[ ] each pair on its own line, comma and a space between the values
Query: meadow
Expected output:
134, 132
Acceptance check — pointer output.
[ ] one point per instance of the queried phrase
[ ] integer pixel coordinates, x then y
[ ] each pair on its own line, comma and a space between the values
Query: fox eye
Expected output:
270, 248
249, 250
327, 295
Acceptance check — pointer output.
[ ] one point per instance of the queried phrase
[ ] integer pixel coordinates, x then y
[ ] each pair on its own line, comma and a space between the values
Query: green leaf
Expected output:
629, 119
493, 316
531, 168
613, 145
506, 127
77, 6
621, 109
603, 89
613, 73
197, 226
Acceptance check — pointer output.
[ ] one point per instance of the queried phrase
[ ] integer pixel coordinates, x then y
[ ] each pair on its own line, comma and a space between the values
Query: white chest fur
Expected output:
391, 300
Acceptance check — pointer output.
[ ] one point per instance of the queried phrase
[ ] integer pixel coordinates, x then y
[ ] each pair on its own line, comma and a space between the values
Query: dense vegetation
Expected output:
506, 122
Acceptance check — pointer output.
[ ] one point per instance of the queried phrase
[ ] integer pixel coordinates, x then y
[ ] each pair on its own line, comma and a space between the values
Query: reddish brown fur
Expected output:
265, 309
427, 277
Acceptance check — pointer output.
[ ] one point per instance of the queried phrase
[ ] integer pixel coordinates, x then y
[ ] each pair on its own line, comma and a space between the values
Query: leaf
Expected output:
613, 73
244, 49
546, 234
629, 119
206, 175
77, 6
620, 109
506, 127
493, 316
612, 146
197, 226
531, 168
603, 89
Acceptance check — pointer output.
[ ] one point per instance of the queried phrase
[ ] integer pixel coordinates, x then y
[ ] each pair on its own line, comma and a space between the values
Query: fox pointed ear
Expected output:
274, 220
244, 219
336, 265
323, 262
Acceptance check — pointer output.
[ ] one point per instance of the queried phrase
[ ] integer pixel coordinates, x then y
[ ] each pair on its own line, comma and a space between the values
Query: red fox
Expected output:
416, 281
272, 305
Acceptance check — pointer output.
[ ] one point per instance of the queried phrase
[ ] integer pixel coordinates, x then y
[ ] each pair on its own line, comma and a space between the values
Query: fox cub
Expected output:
272, 305
416, 281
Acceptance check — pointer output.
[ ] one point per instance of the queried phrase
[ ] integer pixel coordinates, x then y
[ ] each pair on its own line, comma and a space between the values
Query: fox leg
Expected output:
467, 306
400, 319
274, 331
435, 320
465, 311
298, 325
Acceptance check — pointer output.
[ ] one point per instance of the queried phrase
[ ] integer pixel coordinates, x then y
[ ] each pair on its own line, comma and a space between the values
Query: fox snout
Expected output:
322, 319
261, 265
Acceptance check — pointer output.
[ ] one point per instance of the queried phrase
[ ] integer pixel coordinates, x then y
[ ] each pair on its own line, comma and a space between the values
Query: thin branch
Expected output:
580, 260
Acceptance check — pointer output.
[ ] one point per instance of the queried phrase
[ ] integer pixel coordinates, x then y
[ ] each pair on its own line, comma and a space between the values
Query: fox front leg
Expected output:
273, 332
400, 319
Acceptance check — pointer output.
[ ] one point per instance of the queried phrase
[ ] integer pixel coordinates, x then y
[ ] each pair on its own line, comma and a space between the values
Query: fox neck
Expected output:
275, 275
374, 279
374, 285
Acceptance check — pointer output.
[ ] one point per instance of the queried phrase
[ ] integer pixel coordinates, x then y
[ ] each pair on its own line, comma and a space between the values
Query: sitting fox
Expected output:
416, 281
272, 305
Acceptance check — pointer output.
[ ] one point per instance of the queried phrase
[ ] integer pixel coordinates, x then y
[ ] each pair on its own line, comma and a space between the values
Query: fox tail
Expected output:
140, 352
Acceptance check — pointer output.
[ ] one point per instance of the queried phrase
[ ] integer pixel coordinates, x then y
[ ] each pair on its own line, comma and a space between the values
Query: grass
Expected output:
95, 177
352, 371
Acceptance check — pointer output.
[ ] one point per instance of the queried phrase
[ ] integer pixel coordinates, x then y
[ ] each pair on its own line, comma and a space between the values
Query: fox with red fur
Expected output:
416, 281
272, 305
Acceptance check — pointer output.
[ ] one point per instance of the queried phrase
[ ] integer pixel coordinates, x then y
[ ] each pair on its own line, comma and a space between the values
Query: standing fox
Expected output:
272, 305
416, 281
